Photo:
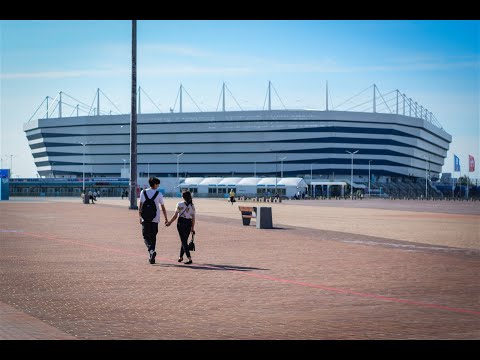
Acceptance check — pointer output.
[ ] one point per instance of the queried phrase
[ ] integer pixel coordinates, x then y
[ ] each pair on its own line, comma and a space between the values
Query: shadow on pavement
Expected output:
214, 267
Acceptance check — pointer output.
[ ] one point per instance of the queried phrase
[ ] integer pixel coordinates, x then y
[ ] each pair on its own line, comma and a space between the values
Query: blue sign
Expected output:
5, 185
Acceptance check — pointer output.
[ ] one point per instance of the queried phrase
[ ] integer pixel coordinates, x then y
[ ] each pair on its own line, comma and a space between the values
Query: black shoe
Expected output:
180, 259
152, 258
188, 262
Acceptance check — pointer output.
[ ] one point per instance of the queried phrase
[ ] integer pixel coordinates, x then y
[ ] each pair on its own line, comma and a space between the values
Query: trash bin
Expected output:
86, 199
264, 218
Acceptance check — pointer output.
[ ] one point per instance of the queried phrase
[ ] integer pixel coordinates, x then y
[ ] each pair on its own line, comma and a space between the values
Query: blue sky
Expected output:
437, 63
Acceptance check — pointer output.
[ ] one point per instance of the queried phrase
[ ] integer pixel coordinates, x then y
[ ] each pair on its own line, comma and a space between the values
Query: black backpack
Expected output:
149, 208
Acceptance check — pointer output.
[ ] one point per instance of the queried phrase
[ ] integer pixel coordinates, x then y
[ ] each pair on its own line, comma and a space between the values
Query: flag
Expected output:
456, 163
471, 163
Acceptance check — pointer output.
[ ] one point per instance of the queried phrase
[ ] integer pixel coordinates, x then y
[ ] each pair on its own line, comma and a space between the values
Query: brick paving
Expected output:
16, 325
82, 270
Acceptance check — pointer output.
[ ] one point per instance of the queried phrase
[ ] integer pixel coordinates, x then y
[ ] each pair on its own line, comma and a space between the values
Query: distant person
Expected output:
126, 194
149, 211
232, 196
185, 212
123, 194
90, 196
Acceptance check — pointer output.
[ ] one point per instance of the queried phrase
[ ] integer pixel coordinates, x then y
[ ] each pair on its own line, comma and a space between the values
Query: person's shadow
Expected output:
215, 267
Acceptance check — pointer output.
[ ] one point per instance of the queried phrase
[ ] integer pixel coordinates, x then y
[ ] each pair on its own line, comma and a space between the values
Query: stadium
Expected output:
396, 140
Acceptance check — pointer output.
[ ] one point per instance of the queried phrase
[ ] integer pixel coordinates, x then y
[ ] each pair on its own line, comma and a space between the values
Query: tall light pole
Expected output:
124, 163
178, 176
276, 161
133, 122
148, 170
351, 182
426, 177
83, 167
51, 169
11, 165
281, 166
369, 161
254, 169
311, 178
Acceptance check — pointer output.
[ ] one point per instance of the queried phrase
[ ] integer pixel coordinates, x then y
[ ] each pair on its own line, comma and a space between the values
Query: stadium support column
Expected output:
98, 101
133, 123
60, 106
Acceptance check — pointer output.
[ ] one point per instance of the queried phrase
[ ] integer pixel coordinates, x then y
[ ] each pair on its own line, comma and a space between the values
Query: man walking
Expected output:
149, 211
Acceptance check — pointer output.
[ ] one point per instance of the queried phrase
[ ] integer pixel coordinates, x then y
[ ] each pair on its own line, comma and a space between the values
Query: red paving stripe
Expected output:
271, 278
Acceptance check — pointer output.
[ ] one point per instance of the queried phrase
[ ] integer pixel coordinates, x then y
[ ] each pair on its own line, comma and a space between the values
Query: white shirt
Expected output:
158, 201
184, 211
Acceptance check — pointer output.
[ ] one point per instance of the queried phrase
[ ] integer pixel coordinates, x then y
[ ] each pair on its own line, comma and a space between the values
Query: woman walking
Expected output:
185, 212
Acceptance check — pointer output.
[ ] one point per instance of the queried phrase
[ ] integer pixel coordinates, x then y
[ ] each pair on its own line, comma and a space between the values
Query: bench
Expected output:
248, 213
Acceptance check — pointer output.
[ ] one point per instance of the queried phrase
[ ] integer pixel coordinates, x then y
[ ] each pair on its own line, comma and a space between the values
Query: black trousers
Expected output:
184, 226
149, 232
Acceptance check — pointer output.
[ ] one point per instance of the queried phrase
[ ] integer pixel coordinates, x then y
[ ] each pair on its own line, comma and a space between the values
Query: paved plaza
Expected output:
333, 269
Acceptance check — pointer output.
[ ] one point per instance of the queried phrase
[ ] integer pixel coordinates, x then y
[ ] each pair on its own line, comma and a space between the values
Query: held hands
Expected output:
167, 223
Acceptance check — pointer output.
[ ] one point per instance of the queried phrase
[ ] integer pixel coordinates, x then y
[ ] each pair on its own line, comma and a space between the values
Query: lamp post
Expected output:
148, 170
83, 167
311, 177
351, 182
124, 163
51, 169
254, 169
11, 165
426, 177
276, 161
178, 177
369, 161
281, 165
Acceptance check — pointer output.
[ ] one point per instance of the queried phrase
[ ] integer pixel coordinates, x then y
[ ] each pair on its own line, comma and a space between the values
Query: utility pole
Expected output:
133, 122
